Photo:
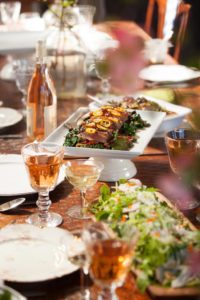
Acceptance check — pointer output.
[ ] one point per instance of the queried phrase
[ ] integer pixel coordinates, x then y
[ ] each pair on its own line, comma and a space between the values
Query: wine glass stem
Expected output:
43, 204
107, 294
83, 201
105, 87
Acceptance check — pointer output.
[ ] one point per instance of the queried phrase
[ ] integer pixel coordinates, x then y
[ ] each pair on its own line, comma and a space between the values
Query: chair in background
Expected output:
182, 12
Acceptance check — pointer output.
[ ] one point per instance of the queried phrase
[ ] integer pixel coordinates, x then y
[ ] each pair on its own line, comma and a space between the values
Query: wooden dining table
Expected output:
151, 165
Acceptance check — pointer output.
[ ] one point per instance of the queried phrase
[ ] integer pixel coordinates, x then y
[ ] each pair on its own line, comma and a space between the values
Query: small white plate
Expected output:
31, 254
14, 178
9, 117
14, 294
7, 72
168, 73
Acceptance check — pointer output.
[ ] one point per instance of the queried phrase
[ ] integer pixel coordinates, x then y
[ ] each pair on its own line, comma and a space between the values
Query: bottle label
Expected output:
29, 121
50, 119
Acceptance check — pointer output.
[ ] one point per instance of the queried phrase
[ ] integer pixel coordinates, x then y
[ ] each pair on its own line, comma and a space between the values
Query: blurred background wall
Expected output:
135, 10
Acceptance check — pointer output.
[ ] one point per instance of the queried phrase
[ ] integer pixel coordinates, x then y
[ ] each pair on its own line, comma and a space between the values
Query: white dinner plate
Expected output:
14, 294
9, 117
7, 72
170, 121
19, 41
31, 254
168, 73
14, 178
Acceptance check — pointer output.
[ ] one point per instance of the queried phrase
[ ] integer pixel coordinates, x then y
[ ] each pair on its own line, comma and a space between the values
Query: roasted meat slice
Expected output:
101, 124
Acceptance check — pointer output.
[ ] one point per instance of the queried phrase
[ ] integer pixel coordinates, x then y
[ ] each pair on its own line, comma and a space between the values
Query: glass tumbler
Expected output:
183, 147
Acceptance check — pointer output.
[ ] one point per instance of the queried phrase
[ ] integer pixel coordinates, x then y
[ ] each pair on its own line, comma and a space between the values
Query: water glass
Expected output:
156, 50
86, 14
10, 12
43, 162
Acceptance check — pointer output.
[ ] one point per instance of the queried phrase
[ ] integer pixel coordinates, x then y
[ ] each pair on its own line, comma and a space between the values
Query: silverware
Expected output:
73, 119
11, 136
95, 99
11, 204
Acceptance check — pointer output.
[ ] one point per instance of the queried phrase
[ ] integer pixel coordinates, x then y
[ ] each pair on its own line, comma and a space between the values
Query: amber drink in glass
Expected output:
43, 162
182, 146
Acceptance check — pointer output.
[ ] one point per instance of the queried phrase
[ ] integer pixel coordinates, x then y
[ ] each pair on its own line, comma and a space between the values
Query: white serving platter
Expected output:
117, 163
14, 178
32, 254
168, 73
169, 122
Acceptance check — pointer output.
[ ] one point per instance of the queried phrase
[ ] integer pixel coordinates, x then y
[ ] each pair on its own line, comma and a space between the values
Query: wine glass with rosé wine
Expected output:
183, 147
109, 258
43, 161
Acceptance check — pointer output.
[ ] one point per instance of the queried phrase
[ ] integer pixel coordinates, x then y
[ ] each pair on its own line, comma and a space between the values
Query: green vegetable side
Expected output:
6, 295
165, 239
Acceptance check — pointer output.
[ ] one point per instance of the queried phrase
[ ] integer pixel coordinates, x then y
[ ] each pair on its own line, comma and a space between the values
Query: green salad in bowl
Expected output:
165, 236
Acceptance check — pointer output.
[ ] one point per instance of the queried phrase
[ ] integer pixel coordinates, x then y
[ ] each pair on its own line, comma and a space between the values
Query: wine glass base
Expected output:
198, 217
192, 205
53, 220
77, 212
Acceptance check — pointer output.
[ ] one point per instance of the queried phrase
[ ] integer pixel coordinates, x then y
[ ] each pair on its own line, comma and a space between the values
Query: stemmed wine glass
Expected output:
23, 72
82, 174
183, 146
102, 72
109, 258
78, 258
10, 11
43, 162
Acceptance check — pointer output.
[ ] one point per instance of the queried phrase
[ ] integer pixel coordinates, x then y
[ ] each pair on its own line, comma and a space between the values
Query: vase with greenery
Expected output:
65, 52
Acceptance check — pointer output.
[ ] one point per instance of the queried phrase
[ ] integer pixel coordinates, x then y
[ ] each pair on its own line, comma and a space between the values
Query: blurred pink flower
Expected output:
176, 191
126, 61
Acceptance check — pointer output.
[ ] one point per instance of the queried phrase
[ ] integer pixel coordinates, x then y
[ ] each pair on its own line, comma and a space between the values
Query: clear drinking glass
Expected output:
43, 162
79, 259
86, 14
156, 50
183, 146
10, 12
82, 174
23, 72
109, 258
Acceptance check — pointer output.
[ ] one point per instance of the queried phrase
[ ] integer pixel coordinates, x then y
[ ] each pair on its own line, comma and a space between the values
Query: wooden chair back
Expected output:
182, 11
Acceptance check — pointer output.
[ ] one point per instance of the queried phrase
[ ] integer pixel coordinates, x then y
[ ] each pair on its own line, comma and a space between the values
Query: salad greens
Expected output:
165, 239
6, 295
